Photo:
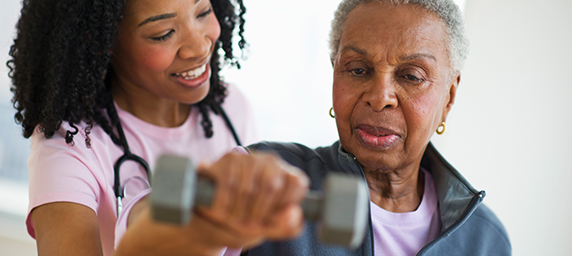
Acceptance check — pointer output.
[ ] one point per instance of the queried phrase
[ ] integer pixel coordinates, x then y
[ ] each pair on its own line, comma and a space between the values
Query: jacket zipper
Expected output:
369, 208
472, 206
474, 203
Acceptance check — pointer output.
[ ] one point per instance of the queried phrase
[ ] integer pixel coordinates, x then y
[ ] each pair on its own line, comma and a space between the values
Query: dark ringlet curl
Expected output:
60, 64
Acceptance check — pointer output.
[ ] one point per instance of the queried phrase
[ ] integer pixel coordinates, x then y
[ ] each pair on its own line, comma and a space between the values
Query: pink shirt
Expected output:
404, 234
62, 173
121, 224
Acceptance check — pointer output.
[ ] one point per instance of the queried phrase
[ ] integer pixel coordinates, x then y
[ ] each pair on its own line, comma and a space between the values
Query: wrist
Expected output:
147, 237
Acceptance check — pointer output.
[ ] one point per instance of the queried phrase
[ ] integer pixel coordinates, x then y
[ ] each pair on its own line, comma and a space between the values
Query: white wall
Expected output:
288, 73
14, 239
510, 130
508, 133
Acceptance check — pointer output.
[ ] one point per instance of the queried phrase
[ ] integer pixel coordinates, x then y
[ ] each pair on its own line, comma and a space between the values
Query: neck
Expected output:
396, 191
149, 107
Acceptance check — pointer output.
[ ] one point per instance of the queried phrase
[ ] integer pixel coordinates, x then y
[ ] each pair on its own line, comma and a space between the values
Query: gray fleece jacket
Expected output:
469, 227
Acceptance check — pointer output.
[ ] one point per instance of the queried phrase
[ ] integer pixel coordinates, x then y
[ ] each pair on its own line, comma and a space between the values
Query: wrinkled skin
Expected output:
393, 86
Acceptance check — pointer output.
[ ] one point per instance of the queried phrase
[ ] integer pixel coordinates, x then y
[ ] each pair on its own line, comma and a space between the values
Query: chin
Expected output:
386, 159
376, 161
196, 96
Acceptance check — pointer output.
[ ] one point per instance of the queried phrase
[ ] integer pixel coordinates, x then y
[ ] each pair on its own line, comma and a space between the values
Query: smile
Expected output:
192, 74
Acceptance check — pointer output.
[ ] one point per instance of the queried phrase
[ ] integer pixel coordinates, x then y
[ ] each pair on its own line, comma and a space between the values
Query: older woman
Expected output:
396, 71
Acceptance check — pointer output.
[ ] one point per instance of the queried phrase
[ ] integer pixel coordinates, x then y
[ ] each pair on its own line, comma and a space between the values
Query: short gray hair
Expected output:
447, 10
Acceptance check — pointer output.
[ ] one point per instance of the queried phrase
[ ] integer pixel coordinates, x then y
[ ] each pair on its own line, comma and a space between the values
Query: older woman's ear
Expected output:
453, 84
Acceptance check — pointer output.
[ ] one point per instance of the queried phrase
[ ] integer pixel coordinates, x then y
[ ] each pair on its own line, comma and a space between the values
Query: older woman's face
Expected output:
392, 84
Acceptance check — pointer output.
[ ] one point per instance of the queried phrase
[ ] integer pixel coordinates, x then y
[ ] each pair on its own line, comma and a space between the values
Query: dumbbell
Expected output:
341, 208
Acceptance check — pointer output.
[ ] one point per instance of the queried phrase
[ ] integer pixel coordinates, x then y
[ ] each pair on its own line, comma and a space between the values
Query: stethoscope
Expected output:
128, 156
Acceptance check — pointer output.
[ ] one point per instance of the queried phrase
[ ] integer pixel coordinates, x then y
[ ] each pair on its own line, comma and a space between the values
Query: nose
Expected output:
195, 44
380, 93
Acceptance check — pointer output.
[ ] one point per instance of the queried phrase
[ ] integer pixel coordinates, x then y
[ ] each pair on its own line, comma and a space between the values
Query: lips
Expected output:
376, 137
193, 73
193, 78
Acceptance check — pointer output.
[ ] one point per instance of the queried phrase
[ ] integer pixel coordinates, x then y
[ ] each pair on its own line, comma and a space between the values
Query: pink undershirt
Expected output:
404, 234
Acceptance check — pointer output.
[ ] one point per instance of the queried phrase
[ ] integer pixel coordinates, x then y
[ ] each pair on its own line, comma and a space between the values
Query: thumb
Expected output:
286, 224
203, 167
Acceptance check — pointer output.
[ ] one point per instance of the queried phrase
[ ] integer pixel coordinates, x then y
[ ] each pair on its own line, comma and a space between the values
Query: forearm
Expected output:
146, 237
66, 229
239, 217
138, 234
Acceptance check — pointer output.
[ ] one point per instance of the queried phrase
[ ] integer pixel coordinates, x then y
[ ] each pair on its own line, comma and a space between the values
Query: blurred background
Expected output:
509, 133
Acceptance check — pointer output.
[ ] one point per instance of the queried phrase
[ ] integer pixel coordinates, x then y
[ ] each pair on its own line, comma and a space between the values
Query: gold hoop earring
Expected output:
441, 129
332, 114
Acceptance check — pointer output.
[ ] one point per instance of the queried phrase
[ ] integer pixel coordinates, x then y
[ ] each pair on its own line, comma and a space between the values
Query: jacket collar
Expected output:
456, 195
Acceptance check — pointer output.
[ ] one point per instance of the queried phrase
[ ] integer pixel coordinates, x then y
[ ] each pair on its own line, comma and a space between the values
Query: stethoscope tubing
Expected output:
128, 156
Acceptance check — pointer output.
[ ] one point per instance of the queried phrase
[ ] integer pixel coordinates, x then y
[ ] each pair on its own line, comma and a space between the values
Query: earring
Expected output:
332, 114
441, 129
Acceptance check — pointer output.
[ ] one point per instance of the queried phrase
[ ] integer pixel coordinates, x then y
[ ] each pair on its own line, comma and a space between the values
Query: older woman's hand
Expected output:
257, 199
257, 195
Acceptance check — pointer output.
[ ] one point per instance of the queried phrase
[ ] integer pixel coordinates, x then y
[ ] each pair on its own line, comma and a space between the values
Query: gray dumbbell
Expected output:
341, 209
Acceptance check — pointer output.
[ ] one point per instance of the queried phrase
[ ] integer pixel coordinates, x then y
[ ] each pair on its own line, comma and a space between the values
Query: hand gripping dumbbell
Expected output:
341, 208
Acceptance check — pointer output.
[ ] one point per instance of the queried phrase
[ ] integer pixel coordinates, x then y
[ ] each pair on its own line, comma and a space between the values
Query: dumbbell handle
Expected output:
311, 205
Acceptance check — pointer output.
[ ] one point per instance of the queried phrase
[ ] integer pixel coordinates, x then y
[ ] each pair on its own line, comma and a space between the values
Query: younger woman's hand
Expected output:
257, 198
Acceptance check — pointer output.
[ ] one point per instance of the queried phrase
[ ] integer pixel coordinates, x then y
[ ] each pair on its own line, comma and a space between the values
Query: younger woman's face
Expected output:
163, 49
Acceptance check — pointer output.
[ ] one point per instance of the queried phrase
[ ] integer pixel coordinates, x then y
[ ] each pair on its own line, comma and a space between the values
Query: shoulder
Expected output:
58, 142
314, 162
235, 96
485, 218
291, 152
52, 162
481, 234
236, 104
241, 114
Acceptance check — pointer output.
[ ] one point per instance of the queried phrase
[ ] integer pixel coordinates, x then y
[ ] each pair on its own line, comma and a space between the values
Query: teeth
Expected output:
191, 74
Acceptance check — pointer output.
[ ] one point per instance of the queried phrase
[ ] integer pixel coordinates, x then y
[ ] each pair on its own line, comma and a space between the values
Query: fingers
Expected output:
246, 190
285, 224
297, 184
225, 183
271, 184
259, 192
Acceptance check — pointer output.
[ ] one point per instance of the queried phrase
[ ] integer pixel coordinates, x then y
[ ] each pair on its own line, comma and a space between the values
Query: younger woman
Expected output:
103, 88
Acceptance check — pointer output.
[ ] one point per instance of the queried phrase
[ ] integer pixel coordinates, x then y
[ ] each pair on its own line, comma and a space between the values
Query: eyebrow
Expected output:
404, 58
158, 17
418, 56
161, 17
355, 49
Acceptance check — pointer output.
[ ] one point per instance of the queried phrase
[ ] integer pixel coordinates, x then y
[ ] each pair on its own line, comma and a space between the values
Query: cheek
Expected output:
213, 29
423, 113
341, 98
156, 59
344, 102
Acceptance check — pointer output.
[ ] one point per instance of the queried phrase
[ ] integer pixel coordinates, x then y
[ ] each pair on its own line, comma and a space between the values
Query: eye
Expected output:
413, 79
206, 13
163, 37
358, 72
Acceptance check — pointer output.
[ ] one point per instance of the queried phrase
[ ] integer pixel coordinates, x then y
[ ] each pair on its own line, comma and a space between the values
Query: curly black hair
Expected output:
60, 64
